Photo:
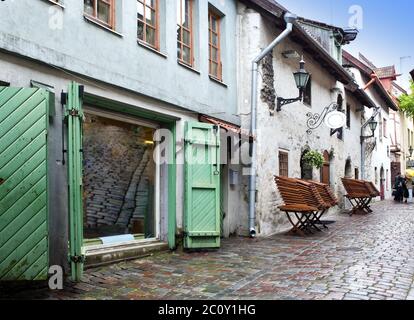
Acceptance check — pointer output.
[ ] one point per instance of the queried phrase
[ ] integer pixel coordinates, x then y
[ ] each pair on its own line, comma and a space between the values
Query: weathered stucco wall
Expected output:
82, 47
377, 152
286, 130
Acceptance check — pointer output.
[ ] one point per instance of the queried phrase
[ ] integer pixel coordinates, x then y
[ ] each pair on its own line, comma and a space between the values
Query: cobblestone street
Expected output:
360, 257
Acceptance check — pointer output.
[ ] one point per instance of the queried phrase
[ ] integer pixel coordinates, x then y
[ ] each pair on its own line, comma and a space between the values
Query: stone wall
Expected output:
115, 166
287, 130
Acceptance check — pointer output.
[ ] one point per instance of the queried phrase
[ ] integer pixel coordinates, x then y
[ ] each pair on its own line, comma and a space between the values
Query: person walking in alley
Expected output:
409, 185
406, 194
398, 186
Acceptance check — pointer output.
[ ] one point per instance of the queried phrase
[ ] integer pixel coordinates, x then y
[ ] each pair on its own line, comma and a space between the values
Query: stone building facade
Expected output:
377, 150
285, 132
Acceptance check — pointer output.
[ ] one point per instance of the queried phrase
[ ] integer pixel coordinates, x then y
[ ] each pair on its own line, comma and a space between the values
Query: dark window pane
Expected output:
150, 35
140, 30
88, 6
103, 11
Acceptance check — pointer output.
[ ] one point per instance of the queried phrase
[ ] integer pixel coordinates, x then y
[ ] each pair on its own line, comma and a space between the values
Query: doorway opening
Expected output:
326, 168
120, 179
306, 169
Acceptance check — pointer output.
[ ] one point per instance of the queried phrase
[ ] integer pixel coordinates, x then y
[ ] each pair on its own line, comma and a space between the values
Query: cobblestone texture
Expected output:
359, 258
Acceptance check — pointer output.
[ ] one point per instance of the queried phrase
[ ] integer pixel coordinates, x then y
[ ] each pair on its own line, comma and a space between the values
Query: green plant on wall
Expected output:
407, 102
314, 159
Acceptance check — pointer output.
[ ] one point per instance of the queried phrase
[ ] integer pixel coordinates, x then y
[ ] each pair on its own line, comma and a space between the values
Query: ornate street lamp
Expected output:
301, 80
373, 126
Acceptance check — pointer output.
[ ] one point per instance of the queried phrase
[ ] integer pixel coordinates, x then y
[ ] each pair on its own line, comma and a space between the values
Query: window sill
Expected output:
144, 45
220, 82
55, 3
101, 25
188, 67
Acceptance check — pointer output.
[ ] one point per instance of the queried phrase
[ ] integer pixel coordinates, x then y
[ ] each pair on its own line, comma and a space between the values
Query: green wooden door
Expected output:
74, 118
202, 186
23, 184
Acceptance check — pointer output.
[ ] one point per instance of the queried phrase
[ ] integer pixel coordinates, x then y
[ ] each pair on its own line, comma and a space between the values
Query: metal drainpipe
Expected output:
289, 18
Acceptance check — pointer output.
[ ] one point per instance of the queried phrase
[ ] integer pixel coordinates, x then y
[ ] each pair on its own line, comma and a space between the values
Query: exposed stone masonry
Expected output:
114, 160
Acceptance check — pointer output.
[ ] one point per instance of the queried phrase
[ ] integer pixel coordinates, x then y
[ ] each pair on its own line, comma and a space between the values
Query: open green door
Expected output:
24, 243
74, 118
202, 186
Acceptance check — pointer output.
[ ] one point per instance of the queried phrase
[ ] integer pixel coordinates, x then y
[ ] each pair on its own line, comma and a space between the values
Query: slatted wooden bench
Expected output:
327, 195
306, 201
360, 194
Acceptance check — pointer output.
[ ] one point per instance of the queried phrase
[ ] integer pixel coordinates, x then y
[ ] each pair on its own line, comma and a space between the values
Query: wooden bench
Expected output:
360, 194
305, 200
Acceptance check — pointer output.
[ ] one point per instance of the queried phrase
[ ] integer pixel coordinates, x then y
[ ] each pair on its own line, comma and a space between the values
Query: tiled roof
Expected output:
273, 9
386, 72
350, 60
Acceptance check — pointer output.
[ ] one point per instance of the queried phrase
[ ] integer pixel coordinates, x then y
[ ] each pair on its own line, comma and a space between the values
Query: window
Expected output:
283, 164
147, 14
101, 10
185, 31
357, 173
384, 123
215, 65
387, 182
326, 168
307, 93
348, 116
412, 138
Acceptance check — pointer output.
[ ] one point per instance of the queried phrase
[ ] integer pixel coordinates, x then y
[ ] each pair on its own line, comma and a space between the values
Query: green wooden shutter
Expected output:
23, 184
202, 186
74, 118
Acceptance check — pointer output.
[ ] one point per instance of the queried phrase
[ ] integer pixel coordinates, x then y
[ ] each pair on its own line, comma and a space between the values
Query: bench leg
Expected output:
296, 226
354, 205
317, 219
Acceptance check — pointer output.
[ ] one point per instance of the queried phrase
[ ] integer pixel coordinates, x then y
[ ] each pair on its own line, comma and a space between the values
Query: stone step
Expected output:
105, 254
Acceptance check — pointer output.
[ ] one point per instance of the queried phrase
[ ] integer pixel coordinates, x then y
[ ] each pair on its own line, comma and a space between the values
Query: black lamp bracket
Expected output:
282, 102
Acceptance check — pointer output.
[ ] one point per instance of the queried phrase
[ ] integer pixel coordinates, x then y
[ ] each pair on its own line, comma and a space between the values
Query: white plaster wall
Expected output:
287, 130
380, 157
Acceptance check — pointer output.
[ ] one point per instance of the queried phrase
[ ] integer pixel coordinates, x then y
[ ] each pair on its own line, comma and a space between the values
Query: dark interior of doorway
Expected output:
119, 178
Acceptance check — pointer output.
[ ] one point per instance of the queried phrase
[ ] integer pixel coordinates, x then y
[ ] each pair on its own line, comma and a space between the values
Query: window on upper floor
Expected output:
148, 24
384, 130
103, 11
348, 116
307, 93
185, 31
214, 40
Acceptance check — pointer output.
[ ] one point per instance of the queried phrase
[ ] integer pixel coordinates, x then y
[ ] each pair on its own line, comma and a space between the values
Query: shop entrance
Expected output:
119, 179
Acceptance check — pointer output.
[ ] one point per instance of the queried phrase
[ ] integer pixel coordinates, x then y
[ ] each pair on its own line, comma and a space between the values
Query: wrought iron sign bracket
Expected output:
315, 120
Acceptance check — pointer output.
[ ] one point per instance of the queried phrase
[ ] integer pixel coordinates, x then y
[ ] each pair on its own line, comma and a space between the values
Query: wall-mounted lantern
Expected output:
373, 126
411, 150
301, 79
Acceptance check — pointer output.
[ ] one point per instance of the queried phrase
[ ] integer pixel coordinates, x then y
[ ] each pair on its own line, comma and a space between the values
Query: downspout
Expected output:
289, 18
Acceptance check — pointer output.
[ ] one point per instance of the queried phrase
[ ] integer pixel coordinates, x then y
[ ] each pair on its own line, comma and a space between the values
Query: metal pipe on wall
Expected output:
290, 19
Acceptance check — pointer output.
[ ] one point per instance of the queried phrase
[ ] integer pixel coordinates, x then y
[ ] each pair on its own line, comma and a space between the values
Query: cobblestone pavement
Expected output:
360, 257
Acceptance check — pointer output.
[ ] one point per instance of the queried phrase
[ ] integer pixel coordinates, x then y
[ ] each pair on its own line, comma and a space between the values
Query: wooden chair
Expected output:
303, 201
327, 195
360, 194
